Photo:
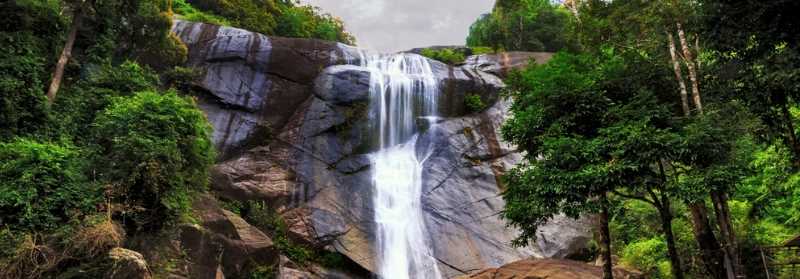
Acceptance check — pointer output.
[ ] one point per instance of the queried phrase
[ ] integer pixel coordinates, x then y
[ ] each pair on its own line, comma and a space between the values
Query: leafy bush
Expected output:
648, 256
474, 103
42, 186
447, 55
477, 50
156, 151
190, 13
181, 78
78, 105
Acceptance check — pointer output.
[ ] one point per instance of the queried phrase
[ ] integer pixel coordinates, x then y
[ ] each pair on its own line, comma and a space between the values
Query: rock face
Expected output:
548, 269
501, 63
223, 244
291, 119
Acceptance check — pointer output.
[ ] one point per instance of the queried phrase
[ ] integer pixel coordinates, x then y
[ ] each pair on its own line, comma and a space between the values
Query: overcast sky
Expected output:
394, 25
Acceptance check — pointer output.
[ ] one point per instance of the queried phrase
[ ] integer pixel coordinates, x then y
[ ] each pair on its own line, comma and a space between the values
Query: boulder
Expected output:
127, 264
548, 269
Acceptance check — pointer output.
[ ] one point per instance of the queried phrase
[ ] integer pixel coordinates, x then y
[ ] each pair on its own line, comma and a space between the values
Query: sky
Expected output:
396, 25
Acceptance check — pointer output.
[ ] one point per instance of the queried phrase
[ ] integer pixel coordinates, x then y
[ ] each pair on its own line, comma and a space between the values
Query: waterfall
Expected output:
403, 101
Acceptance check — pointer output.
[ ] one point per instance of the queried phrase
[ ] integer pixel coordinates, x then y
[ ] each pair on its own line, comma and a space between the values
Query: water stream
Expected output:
403, 102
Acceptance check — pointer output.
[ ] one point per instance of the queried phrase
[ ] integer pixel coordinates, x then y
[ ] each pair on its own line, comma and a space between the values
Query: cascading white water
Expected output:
403, 92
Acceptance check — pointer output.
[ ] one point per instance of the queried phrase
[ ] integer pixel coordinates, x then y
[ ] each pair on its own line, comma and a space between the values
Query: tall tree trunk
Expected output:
666, 225
664, 207
706, 240
730, 246
66, 54
676, 66
690, 64
573, 6
605, 239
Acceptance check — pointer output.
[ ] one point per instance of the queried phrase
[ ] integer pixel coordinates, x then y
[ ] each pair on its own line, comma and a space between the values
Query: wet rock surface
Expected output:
293, 126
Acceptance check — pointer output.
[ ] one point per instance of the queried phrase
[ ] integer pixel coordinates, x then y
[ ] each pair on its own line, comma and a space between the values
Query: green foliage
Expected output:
481, 50
22, 78
473, 103
190, 13
79, 104
269, 17
529, 25
262, 272
181, 78
773, 189
447, 55
649, 256
42, 186
268, 220
30, 35
156, 152
557, 112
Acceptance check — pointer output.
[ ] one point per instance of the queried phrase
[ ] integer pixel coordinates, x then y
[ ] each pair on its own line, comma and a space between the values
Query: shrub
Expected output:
474, 103
481, 50
447, 55
181, 78
649, 256
190, 13
152, 42
155, 150
78, 105
42, 186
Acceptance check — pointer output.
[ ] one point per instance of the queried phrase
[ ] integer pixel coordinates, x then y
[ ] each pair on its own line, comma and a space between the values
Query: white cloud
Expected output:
394, 25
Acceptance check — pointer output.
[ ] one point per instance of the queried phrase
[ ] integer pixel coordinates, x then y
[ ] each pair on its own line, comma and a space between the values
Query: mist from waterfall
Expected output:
403, 101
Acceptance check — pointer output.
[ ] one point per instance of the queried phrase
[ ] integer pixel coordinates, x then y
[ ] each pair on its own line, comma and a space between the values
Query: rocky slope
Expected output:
290, 120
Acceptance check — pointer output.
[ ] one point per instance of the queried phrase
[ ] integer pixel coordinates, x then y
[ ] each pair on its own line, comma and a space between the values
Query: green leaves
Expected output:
447, 55
270, 17
42, 185
529, 25
157, 150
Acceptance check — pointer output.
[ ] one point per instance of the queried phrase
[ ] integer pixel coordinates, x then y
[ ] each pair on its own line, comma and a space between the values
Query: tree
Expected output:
529, 25
557, 112
78, 9
644, 20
